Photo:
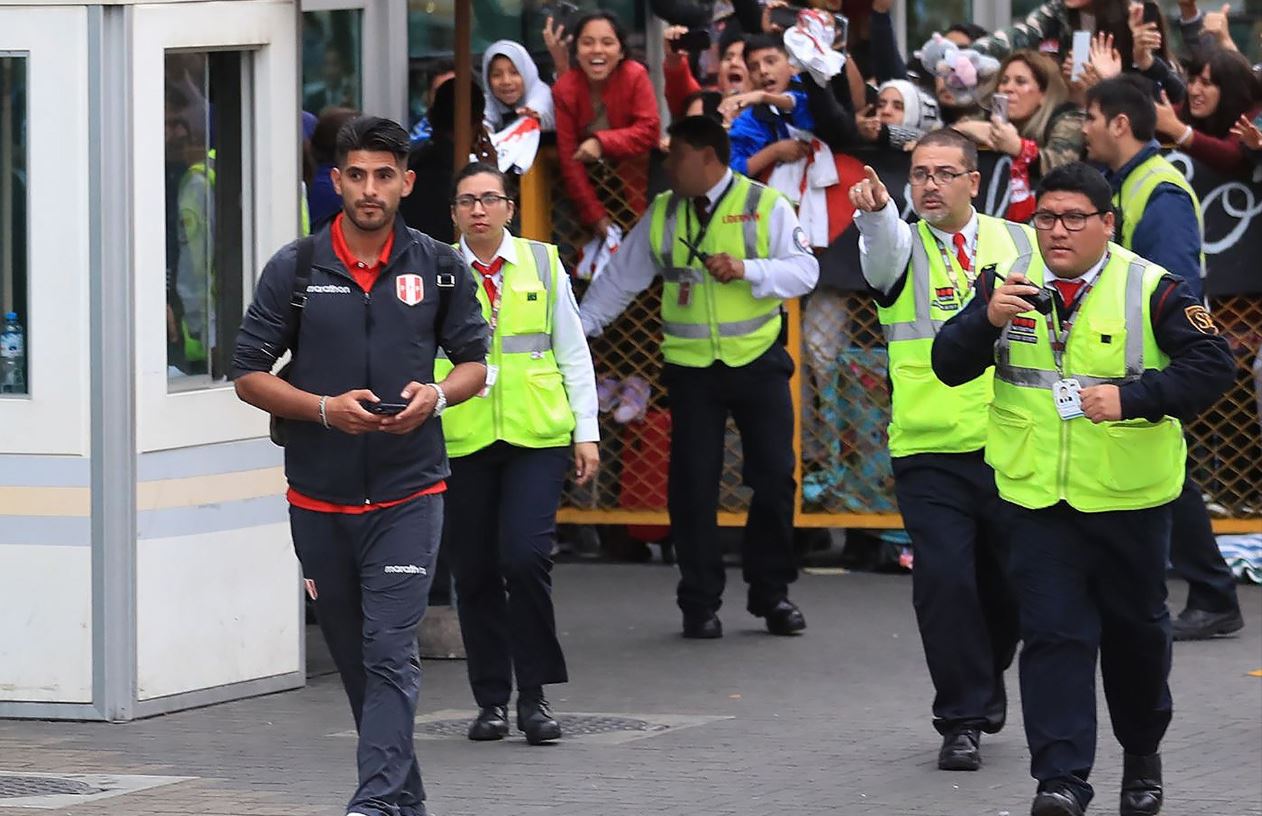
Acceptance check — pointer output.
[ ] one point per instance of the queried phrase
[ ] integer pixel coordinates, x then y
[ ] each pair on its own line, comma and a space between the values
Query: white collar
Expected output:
717, 190
507, 250
1090, 275
969, 232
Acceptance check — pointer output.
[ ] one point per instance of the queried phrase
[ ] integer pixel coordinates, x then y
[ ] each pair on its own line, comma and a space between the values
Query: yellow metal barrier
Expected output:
841, 397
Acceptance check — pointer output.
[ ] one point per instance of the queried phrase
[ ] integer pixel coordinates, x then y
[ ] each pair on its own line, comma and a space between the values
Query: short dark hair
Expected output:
442, 113
1130, 95
592, 16
971, 30
947, 137
730, 36
324, 137
761, 42
1079, 177
373, 133
710, 101
699, 132
479, 168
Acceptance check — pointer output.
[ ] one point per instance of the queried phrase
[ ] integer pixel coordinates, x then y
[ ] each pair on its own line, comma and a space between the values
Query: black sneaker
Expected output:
1197, 624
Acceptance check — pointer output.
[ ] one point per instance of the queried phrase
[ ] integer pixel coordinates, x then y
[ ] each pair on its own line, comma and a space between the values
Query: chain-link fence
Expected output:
842, 391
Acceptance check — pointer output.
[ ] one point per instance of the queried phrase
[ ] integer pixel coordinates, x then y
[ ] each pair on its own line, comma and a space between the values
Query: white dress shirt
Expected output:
790, 272
885, 244
569, 345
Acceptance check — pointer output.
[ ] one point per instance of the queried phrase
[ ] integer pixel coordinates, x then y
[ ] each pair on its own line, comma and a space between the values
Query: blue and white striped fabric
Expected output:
1243, 553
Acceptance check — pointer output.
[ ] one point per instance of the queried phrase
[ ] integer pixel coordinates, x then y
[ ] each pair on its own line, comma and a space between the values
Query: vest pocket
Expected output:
1008, 443
915, 387
1101, 348
1133, 454
525, 303
547, 405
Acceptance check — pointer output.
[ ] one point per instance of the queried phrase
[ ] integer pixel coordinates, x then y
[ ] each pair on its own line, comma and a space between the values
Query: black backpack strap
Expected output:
302, 279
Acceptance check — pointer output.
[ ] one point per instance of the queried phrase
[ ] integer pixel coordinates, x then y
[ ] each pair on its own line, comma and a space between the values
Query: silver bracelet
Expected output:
324, 419
441, 404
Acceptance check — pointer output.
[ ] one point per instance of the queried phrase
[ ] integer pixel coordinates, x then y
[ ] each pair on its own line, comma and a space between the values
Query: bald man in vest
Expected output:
1099, 356
1159, 219
730, 251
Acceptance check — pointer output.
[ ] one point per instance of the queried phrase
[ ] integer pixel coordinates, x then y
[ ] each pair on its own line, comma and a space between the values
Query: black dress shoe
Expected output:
1056, 800
491, 724
1141, 785
784, 618
703, 628
1197, 624
534, 718
961, 751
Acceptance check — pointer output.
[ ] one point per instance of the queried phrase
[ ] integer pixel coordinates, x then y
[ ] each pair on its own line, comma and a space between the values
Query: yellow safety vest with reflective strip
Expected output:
1132, 199
1040, 459
704, 320
927, 416
527, 406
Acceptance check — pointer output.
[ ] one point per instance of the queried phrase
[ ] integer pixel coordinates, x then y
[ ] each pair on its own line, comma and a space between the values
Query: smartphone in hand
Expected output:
384, 408
1081, 53
999, 107
785, 16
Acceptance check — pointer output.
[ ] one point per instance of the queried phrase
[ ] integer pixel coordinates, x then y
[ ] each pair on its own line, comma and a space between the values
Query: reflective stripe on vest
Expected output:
1038, 378
924, 327
528, 343
664, 252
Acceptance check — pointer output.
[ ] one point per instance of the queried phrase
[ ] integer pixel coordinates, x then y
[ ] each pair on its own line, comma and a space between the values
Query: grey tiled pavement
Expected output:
834, 722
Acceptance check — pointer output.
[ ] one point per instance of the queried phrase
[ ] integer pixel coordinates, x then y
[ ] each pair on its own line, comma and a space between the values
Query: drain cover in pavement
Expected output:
15, 786
572, 725
591, 728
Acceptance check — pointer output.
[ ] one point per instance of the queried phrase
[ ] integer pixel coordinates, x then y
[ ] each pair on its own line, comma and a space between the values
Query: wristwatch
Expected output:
441, 405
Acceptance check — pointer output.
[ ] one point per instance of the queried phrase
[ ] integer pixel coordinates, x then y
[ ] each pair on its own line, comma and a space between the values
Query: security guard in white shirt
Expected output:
510, 450
730, 251
922, 276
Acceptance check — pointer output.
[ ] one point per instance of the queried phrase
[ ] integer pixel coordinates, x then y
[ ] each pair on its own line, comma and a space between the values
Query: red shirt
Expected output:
365, 276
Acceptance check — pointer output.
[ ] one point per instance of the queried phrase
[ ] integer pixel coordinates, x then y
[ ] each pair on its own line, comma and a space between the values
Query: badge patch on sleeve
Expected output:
799, 238
1200, 320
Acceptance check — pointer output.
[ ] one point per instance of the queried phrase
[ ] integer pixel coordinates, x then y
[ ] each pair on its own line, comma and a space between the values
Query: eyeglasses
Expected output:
487, 200
1073, 221
941, 177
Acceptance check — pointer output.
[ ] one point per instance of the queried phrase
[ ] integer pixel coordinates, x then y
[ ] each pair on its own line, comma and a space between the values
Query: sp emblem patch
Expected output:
1200, 320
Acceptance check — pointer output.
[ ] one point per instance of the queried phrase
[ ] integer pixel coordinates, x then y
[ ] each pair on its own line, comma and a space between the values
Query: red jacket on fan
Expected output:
634, 130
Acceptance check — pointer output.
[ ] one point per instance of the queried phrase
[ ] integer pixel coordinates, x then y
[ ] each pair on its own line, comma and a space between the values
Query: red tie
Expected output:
488, 276
961, 254
1068, 290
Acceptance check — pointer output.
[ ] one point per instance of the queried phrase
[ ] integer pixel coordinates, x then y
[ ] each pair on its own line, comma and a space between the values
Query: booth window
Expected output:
927, 16
331, 60
14, 333
205, 212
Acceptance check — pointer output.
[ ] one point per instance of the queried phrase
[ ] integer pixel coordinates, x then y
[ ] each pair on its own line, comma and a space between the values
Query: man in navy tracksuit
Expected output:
1119, 129
364, 305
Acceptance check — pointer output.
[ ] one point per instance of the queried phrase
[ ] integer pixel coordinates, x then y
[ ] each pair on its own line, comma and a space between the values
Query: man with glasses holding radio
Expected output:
921, 277
1099, 356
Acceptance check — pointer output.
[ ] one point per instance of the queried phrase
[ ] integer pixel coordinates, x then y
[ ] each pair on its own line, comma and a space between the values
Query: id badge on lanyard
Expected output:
947, 261
1067, 391
684, 298
492, 371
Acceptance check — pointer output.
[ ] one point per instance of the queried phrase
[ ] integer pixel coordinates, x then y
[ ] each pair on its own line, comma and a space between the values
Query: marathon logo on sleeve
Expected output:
1023, 330
329, 289
404, 569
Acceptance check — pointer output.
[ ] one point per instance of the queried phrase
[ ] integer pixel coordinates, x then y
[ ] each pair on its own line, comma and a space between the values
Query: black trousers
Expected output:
1088, 584
500, 526
757, 397
964, 602
372, 574
1195, 556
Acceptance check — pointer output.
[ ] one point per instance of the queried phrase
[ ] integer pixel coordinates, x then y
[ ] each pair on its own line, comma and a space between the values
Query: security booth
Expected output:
149, 166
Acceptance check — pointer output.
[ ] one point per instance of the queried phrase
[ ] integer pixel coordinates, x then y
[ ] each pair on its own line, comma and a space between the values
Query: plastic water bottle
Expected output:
12, 356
